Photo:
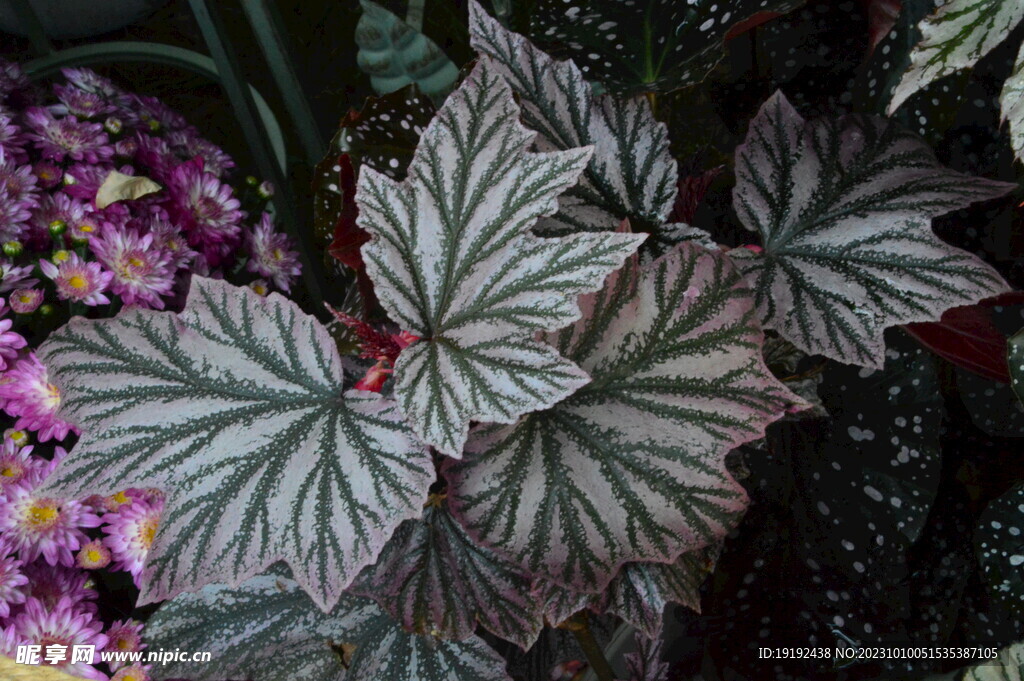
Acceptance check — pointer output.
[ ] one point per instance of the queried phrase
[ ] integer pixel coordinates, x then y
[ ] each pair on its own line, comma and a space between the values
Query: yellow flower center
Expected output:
86, 228
78, 282
61, 256
135, 262
43, 514
25, 299
12, 471
278, 254
147, 532
52, 399
120, 498
123, 644
93, 555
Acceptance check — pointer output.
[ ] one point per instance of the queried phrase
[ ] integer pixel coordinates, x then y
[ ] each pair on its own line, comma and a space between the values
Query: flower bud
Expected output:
13, 249
58, 227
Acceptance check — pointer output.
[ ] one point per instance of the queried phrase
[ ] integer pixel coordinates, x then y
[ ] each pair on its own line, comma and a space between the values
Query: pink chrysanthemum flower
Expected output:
142, 273
205, 208
20, 438
46, 526
93, 555
134, 672
26, 392
11, 579
67, 137
9, 641
78, 280
10, 342
189, 144
169, 239
26, 300
154, 154
125, 497
18, 197
53, 209
81, 103
12, 276
124, 636
83, 180
270, 255
12, 141
131, 532
63, 626
48, 584
48, 174
19, 468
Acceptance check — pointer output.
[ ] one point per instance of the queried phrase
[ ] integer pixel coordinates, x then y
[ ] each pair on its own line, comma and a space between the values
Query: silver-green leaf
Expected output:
1011, 102
436, 580
632, 173
265, 629
454, 262
234, 407
631, 467
955, 37
844, 209
1015, 359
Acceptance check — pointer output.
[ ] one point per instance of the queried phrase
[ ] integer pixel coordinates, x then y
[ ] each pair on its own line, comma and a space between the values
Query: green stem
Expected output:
580, 628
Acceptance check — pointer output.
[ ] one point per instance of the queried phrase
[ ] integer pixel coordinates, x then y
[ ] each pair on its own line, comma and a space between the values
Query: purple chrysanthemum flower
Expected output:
83, 180
133, 672
53, 208
48, 174
9, 641
93, 555
45, 526
12, 79
81, 103
67, 137
168, 238
124, 636
131, 532
150, 113
90, 81
26, 392
142, 272
270, 255
11, 579
12, 141
189, 144
18, 197
63, 626
10, 342
26, 300
18, 468
78, 280
13, 276
155, 156
48, 584
206, 209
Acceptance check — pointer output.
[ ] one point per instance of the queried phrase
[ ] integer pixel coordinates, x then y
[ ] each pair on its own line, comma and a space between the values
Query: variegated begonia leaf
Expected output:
647, 45
955, 37
645, 663
632, 173
234, 407
1008, 665
453, 262
265, 629
1011, 102
436, 580
638, 594
395, 54
631, 467
844, 210
384, 651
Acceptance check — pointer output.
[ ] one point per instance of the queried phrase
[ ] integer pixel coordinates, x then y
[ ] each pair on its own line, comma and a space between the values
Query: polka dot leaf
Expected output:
436, 580
630, 467
632, 173
954, 37
453, 261
235, 408
1016, 362
999, 545
843, 207
647, 45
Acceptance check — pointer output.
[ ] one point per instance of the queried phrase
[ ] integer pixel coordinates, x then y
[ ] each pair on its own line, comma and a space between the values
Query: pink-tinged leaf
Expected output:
844, 209
645, 664
882, 15
435, 580
691, 192
967, 337
454, 261
234, 407
631, 467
